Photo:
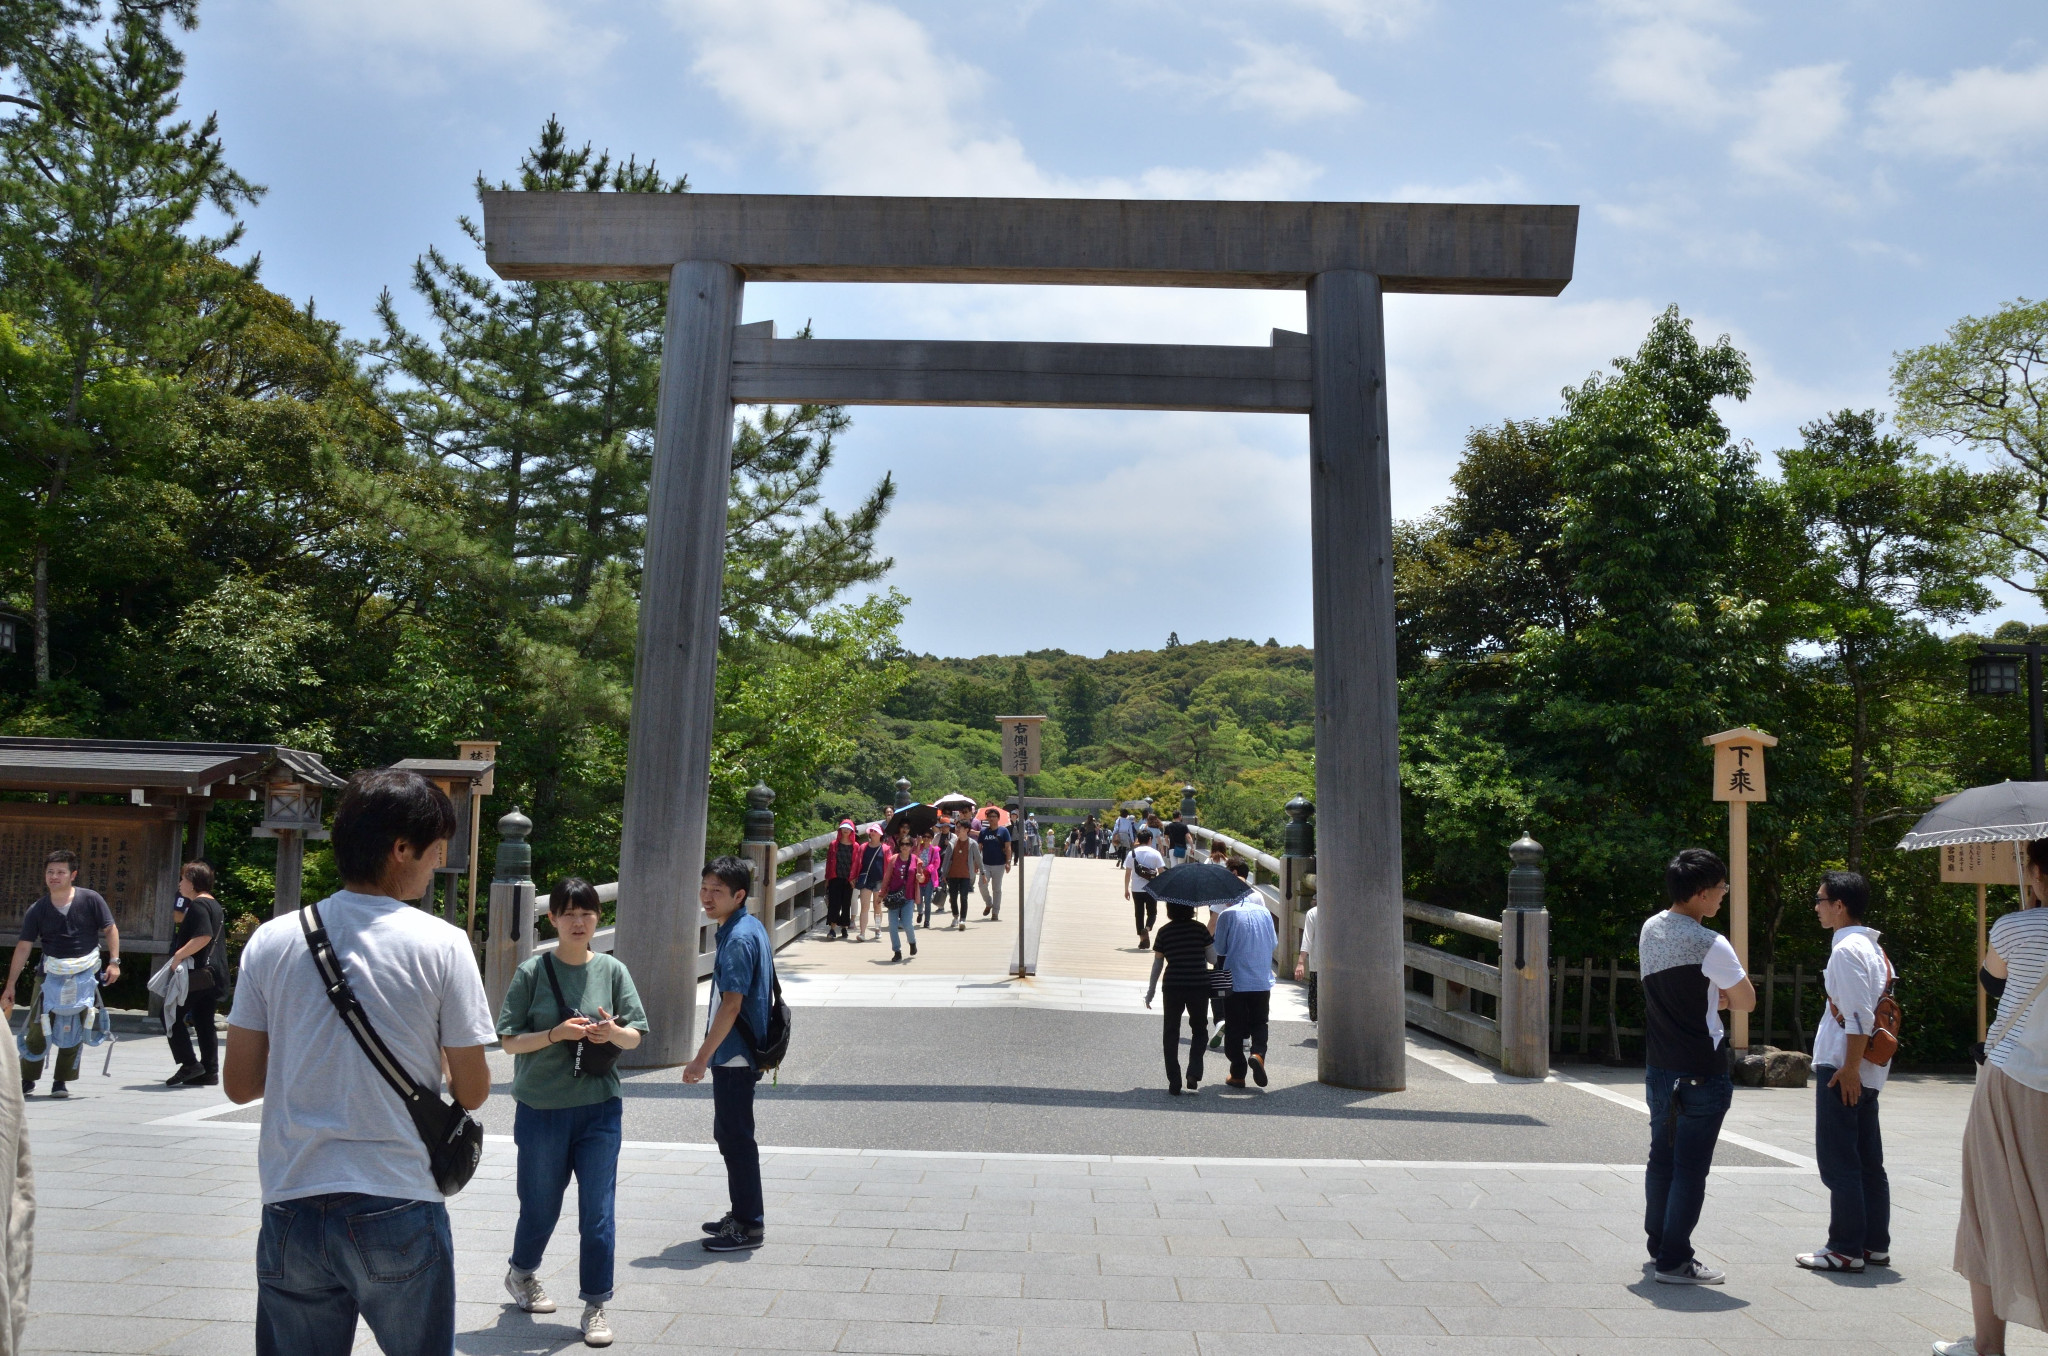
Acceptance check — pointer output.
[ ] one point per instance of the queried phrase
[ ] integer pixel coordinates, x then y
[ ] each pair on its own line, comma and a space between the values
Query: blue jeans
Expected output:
322, 1260
552, 1144
1685, 1122
732, 1126
900, 913
1850, 1150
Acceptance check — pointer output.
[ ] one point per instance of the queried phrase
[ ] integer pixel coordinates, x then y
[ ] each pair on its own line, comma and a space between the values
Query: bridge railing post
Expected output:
1297, 865
1525, 966
509, 939
758, 847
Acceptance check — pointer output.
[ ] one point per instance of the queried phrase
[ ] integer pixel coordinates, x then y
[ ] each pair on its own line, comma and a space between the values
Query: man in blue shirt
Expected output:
1245, 938
741, 985
995, 861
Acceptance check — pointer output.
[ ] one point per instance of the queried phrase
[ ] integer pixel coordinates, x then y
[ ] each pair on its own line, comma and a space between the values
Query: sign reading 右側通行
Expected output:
1020, 744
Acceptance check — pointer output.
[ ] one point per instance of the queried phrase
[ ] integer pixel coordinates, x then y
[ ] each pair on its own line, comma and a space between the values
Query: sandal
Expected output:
1828, 1261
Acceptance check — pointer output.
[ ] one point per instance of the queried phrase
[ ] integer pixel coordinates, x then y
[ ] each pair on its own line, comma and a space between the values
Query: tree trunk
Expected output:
42, 615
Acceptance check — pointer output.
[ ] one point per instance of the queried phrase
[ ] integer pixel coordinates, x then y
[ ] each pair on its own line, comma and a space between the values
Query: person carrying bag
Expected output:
567, 1016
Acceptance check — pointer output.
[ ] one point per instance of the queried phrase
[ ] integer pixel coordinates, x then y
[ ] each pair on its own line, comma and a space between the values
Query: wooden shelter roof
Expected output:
29, 763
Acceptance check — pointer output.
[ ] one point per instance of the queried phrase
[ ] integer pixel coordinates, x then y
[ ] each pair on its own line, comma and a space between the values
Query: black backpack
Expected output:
773, 1045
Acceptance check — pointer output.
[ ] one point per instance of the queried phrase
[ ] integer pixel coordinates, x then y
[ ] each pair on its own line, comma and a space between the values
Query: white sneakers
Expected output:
1962, 1346
527, 1294
597, 1329
1694, 1272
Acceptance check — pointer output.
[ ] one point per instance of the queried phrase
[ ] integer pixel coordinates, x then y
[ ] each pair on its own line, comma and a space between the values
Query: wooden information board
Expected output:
127, 853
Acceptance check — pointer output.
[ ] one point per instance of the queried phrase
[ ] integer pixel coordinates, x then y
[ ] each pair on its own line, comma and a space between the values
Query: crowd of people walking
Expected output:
903, 877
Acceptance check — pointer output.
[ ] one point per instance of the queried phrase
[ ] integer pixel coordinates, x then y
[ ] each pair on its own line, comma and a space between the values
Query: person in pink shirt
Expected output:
900, 870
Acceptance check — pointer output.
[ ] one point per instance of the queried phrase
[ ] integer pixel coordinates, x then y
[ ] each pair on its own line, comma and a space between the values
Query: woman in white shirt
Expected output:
2002, 1238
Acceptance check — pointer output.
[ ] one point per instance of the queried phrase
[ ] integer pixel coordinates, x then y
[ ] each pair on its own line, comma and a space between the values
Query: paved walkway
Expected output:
960, 1161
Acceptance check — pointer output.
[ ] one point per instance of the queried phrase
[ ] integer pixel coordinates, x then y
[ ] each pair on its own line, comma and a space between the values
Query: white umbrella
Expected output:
957, 798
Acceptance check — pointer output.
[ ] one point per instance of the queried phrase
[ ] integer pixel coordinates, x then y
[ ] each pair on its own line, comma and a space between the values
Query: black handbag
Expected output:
454, 1138
589, 1059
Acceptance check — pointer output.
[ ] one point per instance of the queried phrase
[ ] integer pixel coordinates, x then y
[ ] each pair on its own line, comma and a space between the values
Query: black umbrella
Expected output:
919, 816
2010, 812
1203, 884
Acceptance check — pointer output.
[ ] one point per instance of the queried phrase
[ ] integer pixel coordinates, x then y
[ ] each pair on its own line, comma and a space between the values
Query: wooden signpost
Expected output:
1982, 865
1020, 760
1739, 779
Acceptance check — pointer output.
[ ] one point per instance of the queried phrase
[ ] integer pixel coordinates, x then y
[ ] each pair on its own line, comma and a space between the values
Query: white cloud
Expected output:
1665, 61
857, 92
1500, 186
1797, 114
1358, 18
1285, 82
413, 40
1987, 115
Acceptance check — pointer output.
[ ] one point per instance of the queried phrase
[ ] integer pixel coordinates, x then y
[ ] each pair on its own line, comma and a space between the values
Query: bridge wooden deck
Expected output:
1087, 933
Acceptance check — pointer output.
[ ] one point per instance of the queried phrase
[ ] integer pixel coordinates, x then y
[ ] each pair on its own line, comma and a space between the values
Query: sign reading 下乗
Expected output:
1979, 864
1739, 770
1020, 744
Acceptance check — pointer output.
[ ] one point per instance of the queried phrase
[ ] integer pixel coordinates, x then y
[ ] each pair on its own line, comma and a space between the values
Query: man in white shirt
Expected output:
1122, 835
1305, 963
1140, 866
1846, 1139
352, 1220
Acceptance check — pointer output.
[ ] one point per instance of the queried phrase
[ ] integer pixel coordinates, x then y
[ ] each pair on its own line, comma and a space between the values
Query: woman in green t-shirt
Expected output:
566, 1016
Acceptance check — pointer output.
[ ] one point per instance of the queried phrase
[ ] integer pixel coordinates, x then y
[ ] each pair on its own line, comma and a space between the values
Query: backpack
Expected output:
772, 1045
1884, 1042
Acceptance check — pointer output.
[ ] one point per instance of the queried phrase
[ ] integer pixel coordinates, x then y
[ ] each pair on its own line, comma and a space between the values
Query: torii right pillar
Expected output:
1361, 1039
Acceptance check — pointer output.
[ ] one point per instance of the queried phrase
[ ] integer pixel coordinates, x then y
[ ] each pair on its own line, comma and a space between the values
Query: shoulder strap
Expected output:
2005, 1024
351, 1011
547, 962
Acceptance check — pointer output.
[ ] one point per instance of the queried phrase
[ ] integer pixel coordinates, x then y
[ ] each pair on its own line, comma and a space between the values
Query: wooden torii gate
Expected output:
1345, 255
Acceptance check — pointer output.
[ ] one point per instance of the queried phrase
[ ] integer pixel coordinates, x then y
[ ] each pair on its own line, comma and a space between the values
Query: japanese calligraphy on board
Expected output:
1739, 763
1020, 744
127, 853
1980, 864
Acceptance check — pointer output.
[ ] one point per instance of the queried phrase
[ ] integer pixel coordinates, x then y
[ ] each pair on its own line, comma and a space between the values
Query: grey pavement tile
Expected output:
992, 1312
1458, 1294
115, 1333
1102, 1245
727, 1271
1176, 1315
1233, 1246
49, 1296
833, 1255
1366, 1319
966, 1240
1265, 1290
766, 1334
1007, 1285
210, 1339
1105, 1342
1030, 1263
1175, 1266
1628, 1346
237, 1306
927, 1339
869, 1305
1495, 1320
1282, 1344
1093, 1287
1454, 1269
1715, 1325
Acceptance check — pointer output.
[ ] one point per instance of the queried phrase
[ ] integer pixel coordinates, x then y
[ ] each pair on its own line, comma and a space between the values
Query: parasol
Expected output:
956, 799
2009, 812
918, 816
1203, 884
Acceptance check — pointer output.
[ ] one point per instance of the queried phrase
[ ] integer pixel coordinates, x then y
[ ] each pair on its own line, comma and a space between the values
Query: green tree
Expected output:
1985, 386
1893, 547
98, 263
1080, 701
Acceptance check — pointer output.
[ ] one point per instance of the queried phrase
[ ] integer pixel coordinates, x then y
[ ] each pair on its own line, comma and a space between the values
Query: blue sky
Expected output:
1827, 182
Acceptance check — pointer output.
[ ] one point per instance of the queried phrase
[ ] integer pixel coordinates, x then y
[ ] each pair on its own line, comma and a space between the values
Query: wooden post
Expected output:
1738, 907
291, 873
1738, 780
1524, 1010
668, 750
1983, 943
508, 931
1361, 1038
1017, 851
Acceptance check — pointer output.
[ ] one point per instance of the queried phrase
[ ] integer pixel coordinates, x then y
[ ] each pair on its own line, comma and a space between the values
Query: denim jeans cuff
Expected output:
588, 1298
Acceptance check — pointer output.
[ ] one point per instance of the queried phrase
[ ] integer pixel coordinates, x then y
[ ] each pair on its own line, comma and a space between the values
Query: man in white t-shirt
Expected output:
352, 1220
1140, 866
1305, 964
1846, 1140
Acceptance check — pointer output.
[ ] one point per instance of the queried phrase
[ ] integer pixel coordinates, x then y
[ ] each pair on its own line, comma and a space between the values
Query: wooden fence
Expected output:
1599, 1004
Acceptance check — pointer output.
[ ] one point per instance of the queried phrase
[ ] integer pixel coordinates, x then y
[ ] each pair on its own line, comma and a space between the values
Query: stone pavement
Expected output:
148, 1217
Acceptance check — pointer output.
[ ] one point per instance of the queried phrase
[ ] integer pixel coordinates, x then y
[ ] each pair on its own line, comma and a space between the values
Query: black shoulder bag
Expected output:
588, 1059
454, 1138
770, 1047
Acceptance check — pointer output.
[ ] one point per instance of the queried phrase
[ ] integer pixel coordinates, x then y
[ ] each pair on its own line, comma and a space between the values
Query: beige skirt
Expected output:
2002, 1239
